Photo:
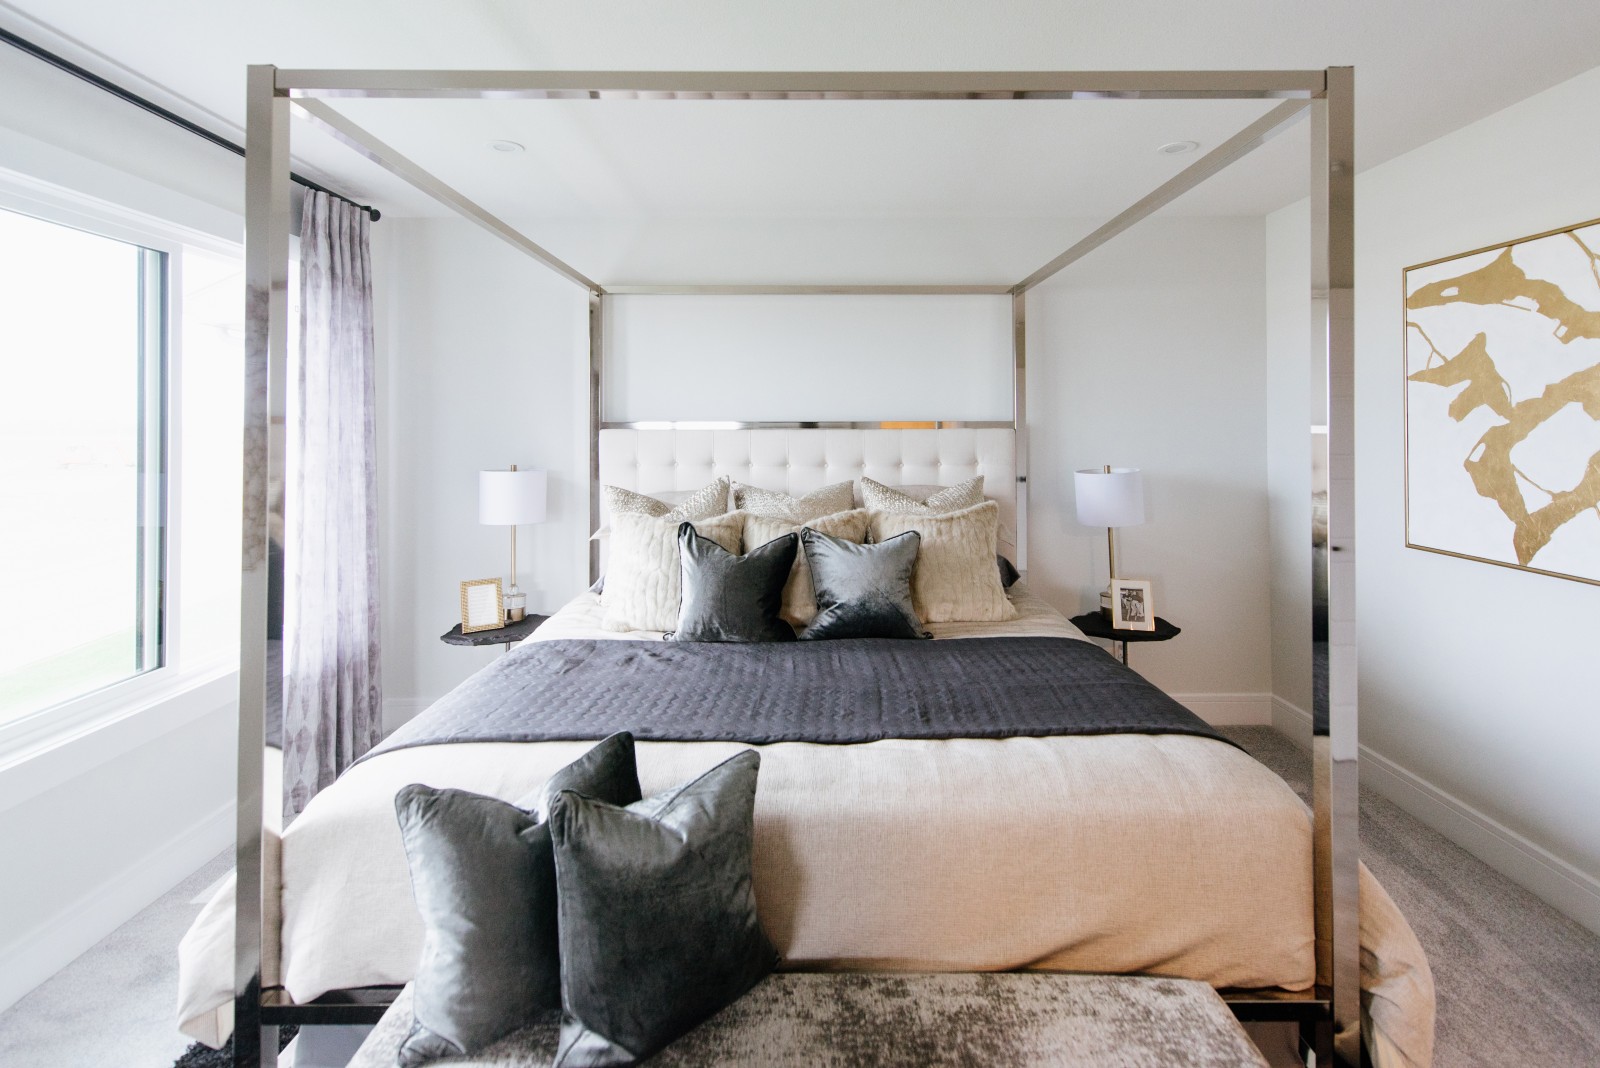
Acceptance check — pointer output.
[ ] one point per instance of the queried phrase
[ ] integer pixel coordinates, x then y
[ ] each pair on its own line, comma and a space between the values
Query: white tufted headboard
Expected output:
801, 460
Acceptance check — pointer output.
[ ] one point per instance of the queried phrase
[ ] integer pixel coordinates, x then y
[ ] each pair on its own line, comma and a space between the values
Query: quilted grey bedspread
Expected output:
860, 690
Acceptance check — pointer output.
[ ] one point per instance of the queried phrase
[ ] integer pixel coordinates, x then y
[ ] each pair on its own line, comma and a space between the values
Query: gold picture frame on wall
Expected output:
482, 605
1502, 404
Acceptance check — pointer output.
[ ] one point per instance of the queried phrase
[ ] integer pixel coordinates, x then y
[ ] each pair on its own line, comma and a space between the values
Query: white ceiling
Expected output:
1423, 68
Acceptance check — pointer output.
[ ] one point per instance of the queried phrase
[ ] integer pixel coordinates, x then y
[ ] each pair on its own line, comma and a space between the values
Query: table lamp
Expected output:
1109, 497
509, 499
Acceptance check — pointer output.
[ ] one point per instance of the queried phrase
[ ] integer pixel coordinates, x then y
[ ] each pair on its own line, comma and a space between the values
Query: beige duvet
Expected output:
1159, 854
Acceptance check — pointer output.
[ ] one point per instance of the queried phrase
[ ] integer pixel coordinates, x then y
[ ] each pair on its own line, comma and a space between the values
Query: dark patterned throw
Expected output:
861, 690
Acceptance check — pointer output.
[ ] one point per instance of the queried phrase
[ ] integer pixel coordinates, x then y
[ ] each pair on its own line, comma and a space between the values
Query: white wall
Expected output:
1479, 711
718, 357
486, 365
97, 826
1150, 353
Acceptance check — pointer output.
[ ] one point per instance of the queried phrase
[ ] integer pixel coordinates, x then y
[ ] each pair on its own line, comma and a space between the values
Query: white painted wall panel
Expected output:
754, 358
1476, 681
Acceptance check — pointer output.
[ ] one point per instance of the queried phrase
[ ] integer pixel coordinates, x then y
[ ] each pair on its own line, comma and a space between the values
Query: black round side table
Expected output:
1096, 625
507, 635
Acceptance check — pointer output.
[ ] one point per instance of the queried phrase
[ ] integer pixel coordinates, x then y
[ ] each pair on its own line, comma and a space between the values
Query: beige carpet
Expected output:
1517, 982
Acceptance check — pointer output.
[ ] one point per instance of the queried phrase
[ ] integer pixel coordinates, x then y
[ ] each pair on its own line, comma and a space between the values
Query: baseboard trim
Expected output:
61, 939
1560, 884
1229, 709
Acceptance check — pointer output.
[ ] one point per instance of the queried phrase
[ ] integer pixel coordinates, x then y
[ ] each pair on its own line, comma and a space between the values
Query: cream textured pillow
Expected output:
881, 498
644, 583
839, 497
696, 504
956, 578
799, 596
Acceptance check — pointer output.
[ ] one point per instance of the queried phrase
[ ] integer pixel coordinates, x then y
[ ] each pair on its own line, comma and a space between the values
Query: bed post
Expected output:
266, 320
1335, 780
1019, 416
597, 323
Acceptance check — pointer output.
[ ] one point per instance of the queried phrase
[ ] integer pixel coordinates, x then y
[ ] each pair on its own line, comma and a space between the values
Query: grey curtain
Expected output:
332, 697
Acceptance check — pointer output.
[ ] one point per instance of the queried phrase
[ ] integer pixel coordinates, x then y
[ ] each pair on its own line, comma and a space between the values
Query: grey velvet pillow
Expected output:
728, 598
658, 913
483, 875
863, 591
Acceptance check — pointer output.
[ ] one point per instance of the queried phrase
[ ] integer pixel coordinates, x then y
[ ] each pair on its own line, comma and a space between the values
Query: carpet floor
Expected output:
1518, 983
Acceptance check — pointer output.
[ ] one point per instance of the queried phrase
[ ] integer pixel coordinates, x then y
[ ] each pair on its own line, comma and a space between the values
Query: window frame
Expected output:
176, 671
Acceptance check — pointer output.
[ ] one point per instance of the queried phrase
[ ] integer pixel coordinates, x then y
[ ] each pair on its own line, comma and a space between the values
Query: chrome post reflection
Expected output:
597, 359
1019, 417
1334, 723
266, 321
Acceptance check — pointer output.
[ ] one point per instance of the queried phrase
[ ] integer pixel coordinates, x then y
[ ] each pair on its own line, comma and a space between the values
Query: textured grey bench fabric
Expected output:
853, 1020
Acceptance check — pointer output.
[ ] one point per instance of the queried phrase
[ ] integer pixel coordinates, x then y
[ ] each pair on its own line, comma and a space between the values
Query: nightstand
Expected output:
1096, 625
507, 635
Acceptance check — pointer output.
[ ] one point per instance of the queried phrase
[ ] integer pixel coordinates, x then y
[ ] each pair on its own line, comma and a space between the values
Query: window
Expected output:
83, 451
121, 398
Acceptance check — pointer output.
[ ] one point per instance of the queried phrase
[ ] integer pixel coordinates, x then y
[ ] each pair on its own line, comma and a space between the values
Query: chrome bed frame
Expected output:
1327, 95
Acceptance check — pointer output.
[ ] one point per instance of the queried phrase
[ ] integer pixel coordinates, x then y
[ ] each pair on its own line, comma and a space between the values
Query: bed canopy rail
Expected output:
1325, 95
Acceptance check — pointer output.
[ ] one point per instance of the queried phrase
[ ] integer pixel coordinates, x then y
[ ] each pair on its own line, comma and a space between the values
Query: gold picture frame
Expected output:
478, 610
1501, 359
1133, 606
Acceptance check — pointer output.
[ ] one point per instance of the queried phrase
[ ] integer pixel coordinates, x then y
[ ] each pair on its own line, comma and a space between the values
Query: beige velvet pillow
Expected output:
799, 596
956, 578
881, 498
644, 583
839, 497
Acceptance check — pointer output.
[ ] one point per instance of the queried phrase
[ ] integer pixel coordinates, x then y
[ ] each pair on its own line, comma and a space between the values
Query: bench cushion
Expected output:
796, 1020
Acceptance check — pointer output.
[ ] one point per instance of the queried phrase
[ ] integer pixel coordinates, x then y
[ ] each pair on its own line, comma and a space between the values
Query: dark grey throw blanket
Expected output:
858, 690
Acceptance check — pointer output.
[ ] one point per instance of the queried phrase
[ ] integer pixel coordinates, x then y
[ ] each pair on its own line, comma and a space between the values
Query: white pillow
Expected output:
799, 596
644, 582
956, 577
840, 497
922, 500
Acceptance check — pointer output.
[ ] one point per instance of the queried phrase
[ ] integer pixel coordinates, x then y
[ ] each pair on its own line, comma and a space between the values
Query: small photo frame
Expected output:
1132, 606
482, 605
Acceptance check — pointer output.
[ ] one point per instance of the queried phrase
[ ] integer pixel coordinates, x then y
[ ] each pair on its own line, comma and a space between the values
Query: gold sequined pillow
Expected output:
696, 504
828, 500
881, 498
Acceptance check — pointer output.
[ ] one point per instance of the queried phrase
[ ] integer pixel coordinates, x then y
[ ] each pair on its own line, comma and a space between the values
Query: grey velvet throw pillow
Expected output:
728, 598
658, 914
483, 876
863, 591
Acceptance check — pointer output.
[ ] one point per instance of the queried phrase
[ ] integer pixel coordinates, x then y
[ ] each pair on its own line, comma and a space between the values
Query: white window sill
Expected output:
42, 752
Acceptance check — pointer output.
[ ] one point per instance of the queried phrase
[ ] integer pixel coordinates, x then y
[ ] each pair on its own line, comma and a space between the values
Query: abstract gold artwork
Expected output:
1502, 353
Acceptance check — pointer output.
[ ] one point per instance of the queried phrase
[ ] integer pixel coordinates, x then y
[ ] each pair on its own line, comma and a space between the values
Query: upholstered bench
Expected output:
846, 1020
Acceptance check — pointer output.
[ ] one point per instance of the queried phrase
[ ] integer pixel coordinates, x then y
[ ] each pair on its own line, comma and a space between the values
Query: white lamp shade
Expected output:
510, 498
1112, 498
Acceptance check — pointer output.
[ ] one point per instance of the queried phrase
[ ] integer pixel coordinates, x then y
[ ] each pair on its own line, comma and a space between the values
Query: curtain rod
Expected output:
127, 96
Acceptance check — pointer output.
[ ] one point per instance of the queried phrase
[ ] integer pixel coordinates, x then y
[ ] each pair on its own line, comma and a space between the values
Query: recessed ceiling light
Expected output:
1178, 148
512, 146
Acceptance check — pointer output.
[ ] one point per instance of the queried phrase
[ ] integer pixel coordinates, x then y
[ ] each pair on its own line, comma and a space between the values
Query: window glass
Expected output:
82, 461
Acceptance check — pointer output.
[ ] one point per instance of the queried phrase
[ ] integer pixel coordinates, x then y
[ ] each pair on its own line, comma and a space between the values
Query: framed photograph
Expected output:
1132, 607
482, 605
1502, 361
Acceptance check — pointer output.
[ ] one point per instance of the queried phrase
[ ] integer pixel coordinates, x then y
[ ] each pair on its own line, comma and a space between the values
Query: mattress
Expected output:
1157, 854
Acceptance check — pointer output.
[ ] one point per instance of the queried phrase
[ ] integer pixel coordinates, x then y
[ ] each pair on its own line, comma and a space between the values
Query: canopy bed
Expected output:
1290, 950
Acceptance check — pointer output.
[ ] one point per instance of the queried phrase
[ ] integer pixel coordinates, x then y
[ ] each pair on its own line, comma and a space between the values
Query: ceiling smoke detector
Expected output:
1178, 148
512, 146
